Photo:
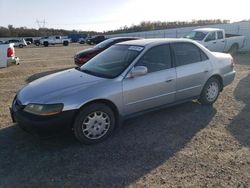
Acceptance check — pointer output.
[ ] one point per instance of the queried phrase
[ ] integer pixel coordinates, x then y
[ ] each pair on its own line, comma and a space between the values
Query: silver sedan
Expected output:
125, 80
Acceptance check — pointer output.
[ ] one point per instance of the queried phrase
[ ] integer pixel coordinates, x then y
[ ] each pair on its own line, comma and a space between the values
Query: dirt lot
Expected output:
188, 145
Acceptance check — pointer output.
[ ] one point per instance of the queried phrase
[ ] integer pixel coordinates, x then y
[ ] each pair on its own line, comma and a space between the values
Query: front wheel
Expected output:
94, 123
210, 91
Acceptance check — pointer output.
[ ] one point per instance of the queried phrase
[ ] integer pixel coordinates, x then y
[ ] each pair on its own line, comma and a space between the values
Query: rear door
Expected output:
154, 89
192, 68
211, 42
57, 40
220, 45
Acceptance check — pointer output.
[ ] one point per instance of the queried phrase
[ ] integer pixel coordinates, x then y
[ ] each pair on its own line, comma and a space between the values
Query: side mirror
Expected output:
138, 71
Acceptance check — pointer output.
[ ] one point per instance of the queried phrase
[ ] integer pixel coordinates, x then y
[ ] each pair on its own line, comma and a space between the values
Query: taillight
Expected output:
232, 63
10, 52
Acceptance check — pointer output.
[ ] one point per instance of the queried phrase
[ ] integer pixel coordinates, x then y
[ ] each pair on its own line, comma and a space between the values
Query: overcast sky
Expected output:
101, 15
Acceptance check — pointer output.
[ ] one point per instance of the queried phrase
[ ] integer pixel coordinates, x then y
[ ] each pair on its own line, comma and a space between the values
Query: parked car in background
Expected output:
37, 41
29, 40
75, 37
7, 55
123, 81
17, 42
83, 56
217, 40
53, 40
82, 41
95, 39
2, 42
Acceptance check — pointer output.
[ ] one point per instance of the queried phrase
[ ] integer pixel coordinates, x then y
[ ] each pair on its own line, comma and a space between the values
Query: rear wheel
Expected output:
210, 91
234, 49
65, 43
94, 123
20, 45
46, 44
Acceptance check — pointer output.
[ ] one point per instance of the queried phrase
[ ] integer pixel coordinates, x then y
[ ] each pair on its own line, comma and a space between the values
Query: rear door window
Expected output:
211, 36
219, 35
187, 53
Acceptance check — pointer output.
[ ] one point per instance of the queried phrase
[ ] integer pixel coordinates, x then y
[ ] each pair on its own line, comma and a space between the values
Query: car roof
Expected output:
208, 29
117, 38
155, 41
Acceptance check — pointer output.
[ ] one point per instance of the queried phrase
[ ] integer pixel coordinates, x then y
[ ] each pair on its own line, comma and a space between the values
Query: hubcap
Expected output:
96, 125
212, 91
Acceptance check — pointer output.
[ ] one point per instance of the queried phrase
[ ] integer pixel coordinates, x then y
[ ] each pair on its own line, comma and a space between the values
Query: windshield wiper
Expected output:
78, 68
88, 71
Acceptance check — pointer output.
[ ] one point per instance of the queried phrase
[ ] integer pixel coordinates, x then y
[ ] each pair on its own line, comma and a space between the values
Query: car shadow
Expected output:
42, 74
242, 58
240, 126
141, 145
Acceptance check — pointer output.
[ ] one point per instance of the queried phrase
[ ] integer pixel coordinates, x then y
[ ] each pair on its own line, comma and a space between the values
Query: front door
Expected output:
154, 89
220, 42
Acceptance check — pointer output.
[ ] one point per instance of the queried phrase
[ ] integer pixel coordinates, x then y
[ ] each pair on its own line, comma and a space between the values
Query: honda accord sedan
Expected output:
123, 81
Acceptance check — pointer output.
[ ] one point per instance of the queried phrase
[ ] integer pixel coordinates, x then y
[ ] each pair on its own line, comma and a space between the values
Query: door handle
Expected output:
214, 42
223, 41
205, 71
169, 80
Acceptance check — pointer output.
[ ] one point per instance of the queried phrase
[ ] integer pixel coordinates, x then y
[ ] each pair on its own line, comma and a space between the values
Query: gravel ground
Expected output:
188, 145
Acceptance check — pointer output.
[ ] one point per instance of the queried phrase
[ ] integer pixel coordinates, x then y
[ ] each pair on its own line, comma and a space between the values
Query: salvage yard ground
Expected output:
188, 145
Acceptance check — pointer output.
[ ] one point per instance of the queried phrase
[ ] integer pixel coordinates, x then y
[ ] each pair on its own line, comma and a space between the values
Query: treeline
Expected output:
149, 26
11, 31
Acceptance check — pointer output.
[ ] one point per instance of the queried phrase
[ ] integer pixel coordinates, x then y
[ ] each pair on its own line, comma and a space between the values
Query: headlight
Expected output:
44, 109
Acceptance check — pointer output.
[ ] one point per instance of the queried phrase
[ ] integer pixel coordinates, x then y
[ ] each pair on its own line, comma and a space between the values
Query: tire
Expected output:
94, 123
37, 44
210, 91
234, 49
65, 43
20, 45
46, 44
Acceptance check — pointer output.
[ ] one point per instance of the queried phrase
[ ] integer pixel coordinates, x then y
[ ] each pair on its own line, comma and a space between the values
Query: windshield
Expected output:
104, 44
196, 35
112, 62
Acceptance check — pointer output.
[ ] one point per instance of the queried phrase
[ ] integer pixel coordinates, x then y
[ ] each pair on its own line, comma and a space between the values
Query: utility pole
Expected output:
41, 24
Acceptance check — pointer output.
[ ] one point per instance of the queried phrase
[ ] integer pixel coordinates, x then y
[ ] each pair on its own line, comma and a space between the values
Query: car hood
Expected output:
88, 51
56, 86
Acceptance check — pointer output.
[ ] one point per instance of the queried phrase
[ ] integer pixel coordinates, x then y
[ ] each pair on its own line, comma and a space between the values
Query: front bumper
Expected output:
43, 125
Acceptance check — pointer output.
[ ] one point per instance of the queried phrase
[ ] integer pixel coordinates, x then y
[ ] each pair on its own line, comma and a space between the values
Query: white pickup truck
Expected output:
52, 40
217, 40
7, 55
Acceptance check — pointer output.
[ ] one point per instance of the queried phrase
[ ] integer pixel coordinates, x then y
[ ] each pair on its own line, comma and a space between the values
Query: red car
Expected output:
83, 56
